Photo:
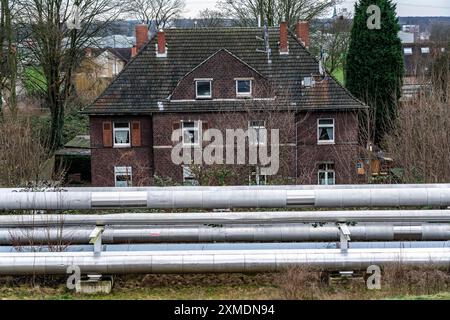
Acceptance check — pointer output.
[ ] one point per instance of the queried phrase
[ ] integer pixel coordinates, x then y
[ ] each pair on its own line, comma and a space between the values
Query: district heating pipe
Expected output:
230, 197
224, 218
239, 233
125, 262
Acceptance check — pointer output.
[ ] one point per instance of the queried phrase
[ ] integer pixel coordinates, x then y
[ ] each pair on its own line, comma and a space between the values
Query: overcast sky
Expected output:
404, 7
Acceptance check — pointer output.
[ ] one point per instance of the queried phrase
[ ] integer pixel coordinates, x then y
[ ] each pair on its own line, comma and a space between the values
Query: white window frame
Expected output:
123, 170
327, 171
258, 178
425, 50
243, 94
210, 88
196, 127
319, 126
258, 133
407, 51
188, 177
121, 145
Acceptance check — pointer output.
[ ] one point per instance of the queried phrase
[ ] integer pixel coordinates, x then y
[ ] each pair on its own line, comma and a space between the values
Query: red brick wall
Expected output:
162, 124
103, 159
343, 153
154, 157
223, 68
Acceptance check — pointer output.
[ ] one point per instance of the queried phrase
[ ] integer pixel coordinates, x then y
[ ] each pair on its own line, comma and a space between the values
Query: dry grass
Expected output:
299, 283
396, 280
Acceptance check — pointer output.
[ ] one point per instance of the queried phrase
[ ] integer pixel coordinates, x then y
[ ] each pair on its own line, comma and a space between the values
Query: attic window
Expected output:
308, 82
407, 51
203, 88
243, 87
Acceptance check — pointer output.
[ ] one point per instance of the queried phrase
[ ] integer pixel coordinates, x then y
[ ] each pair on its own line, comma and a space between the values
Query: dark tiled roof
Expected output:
123, 53
147, 80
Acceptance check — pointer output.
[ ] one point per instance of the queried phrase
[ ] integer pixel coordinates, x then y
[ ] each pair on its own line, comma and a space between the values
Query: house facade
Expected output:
191, 91
98, 68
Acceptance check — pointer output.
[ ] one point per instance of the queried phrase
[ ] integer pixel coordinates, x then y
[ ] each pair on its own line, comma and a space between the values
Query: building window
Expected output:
244, 88
123, 176
256, 178
407, 51
190, 133
121, 134
325, 131
260, 138
326, 174
188, 176
203, 88
425, 50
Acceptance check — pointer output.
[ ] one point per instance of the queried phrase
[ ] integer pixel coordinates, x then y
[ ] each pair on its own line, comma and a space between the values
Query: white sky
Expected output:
404, 7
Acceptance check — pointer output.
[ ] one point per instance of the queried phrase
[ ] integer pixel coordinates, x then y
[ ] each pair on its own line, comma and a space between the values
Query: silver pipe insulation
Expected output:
222, 218
225, 246
229, 197
242, 233
216, 261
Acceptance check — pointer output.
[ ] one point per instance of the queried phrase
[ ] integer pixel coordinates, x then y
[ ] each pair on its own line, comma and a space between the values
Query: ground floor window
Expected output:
123, 176
326, 174
188, 176
256, 178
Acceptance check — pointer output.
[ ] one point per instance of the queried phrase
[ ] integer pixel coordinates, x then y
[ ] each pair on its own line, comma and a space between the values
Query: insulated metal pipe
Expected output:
229, 197
216, 261
221, 218
262, 233
157, 247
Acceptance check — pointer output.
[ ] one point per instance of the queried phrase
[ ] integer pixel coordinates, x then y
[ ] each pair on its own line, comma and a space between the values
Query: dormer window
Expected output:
243, 87
203, 88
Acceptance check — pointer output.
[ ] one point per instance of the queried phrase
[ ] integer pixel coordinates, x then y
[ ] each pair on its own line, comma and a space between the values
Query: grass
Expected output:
293, 284
339, 75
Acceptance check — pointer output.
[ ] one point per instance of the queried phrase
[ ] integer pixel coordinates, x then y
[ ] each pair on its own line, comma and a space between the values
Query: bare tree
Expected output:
338, 43
8, 57
248, 12
420, 143
56, 49
159, 12
211, 19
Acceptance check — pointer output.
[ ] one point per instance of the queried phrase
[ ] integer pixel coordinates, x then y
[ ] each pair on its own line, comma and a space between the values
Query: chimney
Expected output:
161, 50
141, 36
302, 31
284, 38
133, 51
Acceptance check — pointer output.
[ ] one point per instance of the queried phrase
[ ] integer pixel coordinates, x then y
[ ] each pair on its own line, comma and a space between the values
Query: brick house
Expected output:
224, 78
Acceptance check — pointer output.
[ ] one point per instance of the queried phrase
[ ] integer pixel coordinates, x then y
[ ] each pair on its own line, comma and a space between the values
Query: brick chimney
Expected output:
161, 50
284, 38
133, 51
141, 36
302, 31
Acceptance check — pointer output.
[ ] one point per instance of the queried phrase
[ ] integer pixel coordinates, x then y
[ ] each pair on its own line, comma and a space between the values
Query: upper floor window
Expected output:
243, 87
121, 134
425, 50
190, 133
203, 88
123, 176
325, 131
326, 174
259, 126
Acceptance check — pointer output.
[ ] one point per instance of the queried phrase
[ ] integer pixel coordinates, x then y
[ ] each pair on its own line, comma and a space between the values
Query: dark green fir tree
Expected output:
374, 66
